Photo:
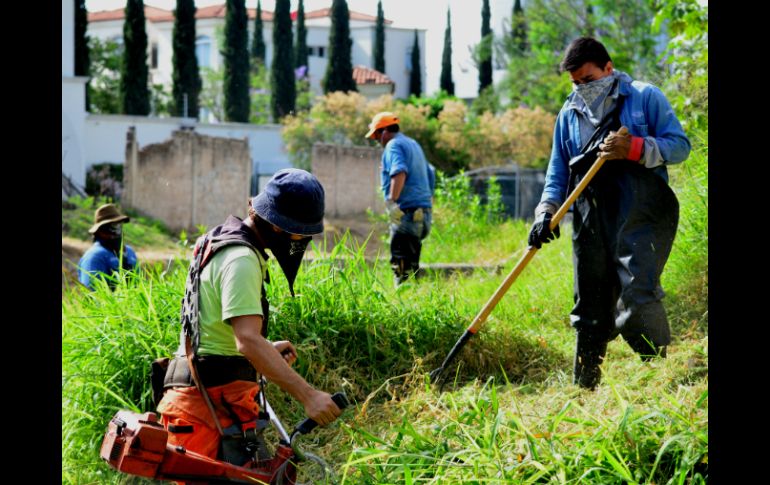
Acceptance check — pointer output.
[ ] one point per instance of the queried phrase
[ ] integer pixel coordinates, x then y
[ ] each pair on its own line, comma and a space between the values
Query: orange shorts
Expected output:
185, 409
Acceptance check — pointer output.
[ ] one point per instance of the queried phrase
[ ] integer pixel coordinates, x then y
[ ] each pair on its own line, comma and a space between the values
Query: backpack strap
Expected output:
190, 324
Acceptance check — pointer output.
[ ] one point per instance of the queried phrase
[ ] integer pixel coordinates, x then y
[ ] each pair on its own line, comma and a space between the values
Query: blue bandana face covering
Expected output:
593, 93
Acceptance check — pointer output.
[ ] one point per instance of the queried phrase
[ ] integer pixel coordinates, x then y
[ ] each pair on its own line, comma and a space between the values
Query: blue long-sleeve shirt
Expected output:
646, 113
99, 261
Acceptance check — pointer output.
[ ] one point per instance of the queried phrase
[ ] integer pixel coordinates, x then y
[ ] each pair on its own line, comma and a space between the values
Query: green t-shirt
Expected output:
231, 286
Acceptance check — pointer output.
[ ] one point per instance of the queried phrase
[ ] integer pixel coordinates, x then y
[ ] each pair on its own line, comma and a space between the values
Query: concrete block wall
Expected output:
351, 178
188, 180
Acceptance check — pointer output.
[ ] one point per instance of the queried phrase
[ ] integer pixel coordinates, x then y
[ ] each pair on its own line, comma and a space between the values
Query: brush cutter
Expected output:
436, 374
137, 444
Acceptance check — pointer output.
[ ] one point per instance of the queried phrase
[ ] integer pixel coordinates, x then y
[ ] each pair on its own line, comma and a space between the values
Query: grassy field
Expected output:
509, 413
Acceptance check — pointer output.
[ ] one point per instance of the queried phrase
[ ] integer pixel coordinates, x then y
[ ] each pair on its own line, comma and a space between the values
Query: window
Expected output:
154, 56
316, 50
203, 50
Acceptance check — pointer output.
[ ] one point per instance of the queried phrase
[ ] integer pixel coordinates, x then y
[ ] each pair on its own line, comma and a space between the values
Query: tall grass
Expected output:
510, 415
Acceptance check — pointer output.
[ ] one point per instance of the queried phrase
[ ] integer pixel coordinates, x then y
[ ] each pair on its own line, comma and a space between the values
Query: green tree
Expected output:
415, 77
300, 50
134, 88
186, 78
379, 40
104, 87
446, 59
260, 95
81, 43
485, 51
339, 70
282, 82
236, 61
519, 30
258, 41
687, 58
534, 79
212, 96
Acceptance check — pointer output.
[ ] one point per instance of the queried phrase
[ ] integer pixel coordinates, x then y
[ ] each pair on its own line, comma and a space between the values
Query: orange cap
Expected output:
381, 120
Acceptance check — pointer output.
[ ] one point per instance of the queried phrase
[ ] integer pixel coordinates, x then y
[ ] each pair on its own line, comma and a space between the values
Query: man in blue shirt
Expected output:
625, 220
408, 183
102, 259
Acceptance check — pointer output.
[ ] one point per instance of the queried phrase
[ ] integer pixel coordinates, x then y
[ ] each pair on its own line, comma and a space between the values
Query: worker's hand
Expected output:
394, 212
541, 229
621, 145
287, 351
321, 408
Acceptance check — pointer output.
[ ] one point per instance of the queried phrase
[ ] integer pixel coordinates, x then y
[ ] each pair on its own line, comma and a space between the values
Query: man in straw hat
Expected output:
103, 258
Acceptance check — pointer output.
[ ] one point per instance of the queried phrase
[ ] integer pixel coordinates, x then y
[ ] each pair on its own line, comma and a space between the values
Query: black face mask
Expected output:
289, 253
110, 236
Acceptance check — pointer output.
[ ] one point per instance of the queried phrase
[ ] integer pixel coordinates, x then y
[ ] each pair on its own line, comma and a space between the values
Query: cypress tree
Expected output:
282, 82
258, 41
519, 29
236, 62
446, 58
300, 52
339, 70
415, 77
82, 64
485, 63
134, 92
186, 78
379, 40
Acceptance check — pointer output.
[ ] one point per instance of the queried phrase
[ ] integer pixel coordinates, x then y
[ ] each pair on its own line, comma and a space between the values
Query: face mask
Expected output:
110, 236
288, 252
593, 93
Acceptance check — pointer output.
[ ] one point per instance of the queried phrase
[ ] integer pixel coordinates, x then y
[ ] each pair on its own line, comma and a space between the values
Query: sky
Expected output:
426, 14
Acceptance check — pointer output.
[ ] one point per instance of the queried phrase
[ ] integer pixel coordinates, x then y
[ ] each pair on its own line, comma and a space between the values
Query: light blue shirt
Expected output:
403, 154
646, 113
99, 260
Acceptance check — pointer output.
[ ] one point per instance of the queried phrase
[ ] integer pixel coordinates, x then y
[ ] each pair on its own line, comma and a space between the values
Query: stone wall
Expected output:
188, 180
351, 178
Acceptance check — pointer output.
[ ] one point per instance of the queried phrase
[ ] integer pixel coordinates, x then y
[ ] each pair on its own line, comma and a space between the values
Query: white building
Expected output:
398, 42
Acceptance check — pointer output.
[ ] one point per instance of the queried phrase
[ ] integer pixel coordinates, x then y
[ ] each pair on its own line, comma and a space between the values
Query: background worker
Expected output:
408, 183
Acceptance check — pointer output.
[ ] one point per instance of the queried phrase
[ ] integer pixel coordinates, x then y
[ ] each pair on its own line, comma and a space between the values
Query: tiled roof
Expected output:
367, 75
326, 12
159, 15
150, 13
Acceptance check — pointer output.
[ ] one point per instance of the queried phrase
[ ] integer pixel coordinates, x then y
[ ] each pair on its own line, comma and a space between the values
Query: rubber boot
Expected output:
589, 356
645, 348
399, 271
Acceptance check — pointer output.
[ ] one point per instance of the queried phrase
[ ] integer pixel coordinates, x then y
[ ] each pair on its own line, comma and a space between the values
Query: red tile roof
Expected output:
326, 12
154, 14
367, 75
150, 13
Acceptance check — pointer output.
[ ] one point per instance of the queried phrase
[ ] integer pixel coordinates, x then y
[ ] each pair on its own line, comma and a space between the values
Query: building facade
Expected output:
108, 25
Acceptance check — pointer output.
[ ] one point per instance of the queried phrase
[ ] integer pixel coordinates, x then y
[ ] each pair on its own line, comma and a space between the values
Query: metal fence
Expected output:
520, 188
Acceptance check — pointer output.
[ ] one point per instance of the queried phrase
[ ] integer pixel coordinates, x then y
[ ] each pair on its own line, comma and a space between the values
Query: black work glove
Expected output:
541, 230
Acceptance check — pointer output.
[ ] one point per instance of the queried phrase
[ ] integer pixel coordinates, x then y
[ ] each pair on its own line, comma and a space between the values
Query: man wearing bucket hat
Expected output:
103, 258
225, 315
408, 183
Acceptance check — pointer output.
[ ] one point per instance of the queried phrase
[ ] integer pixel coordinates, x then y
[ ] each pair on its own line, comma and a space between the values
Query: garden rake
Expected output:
481, 318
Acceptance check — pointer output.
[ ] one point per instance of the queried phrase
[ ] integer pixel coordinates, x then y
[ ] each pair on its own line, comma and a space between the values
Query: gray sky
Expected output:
426, 14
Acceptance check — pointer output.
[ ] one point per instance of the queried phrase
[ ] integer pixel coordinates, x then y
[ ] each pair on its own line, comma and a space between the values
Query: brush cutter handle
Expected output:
309, 424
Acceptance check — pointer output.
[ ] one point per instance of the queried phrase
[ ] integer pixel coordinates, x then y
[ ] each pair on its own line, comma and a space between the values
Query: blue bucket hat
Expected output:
292, 200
